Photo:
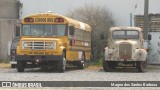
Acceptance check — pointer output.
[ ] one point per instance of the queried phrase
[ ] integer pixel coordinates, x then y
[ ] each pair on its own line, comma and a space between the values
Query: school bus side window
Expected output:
71, 30
76, 33
86, 35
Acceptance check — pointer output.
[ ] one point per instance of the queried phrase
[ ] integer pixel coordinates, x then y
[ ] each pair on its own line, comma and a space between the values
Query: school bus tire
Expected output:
20, 66
62, 63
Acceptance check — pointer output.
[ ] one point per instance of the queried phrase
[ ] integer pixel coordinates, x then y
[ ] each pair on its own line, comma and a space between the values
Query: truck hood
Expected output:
135, 44
125, 41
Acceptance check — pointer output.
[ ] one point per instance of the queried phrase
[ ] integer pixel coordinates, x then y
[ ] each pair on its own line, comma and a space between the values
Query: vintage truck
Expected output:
125, 45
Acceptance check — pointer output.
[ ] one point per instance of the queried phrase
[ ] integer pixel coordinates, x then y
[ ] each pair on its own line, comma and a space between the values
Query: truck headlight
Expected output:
53, 45
110, 51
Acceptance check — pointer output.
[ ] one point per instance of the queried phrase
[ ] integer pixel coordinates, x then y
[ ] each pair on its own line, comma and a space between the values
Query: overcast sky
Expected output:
120, 9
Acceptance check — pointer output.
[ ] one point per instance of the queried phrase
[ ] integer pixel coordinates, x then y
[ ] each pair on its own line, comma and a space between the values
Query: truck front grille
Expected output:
38, 45
125, 51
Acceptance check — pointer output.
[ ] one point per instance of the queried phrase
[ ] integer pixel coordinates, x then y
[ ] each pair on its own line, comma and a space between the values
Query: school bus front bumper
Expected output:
30, 58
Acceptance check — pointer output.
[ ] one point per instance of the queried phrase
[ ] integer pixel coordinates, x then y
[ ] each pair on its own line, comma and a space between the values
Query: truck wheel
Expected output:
108, 65
62, 63
81, 63
113, 65
20, 66
141, 66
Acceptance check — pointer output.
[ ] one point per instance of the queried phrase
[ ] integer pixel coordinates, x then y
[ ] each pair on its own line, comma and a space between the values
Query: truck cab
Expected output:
125, 45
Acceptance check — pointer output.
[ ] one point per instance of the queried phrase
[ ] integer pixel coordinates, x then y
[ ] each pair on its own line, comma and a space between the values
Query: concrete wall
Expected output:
6, 33
8, 9
8, 18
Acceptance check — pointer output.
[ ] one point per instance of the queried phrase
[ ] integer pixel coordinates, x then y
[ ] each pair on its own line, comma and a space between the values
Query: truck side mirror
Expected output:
71, 30
149, 36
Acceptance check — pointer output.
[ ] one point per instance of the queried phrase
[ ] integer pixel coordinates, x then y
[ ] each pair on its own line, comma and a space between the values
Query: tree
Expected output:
100, 19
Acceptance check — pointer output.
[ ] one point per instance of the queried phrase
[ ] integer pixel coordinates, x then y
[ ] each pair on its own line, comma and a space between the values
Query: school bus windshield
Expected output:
44, 30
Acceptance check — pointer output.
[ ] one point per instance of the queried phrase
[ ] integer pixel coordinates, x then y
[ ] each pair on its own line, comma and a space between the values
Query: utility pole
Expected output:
131, 19
145, 25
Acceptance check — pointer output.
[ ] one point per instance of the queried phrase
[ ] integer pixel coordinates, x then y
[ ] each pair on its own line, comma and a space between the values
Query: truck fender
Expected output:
108, 53
141, 54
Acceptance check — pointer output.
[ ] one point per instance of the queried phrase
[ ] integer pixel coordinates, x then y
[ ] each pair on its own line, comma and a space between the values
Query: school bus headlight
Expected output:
53, 45
24, 45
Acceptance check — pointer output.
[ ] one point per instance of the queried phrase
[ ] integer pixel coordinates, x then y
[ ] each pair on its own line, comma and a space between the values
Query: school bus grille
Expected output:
125, 51
38, 45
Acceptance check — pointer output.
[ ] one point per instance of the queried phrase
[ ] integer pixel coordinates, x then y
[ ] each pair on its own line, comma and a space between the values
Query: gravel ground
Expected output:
89, 74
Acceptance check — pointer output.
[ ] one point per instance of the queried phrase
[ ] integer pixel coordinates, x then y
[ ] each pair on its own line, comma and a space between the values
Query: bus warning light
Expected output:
59, 20
28, 20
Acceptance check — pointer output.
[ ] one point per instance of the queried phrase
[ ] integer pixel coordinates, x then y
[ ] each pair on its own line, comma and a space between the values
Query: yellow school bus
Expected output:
52, 40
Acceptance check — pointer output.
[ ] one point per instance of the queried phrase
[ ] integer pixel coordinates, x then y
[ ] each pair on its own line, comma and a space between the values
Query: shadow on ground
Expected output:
50, 70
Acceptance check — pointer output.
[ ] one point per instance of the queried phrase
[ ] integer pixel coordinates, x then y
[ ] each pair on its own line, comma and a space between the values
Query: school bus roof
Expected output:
76, 23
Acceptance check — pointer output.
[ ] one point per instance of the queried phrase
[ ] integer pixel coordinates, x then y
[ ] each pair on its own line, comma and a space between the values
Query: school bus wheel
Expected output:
81, 63
20, 66
62, 63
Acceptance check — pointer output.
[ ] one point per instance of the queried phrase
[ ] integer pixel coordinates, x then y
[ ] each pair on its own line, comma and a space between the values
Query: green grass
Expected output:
98, 62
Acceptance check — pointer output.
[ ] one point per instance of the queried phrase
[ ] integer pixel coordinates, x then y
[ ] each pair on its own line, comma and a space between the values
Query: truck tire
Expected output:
141, 66
81, 63
108, 65
20, 66
62, 63
113, 65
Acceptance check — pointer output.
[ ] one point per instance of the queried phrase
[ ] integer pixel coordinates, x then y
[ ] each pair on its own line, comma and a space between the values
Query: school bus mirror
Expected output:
17, 31
71, 30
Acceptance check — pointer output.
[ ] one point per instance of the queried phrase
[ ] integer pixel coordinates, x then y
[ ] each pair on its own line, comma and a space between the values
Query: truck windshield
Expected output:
44, 30
125, 34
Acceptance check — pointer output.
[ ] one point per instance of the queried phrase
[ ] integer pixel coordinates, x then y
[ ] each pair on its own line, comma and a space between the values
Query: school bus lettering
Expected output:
44, 20
49, 19
40, 20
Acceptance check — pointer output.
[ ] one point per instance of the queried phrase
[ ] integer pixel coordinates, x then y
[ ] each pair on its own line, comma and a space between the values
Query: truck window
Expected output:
125, 34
